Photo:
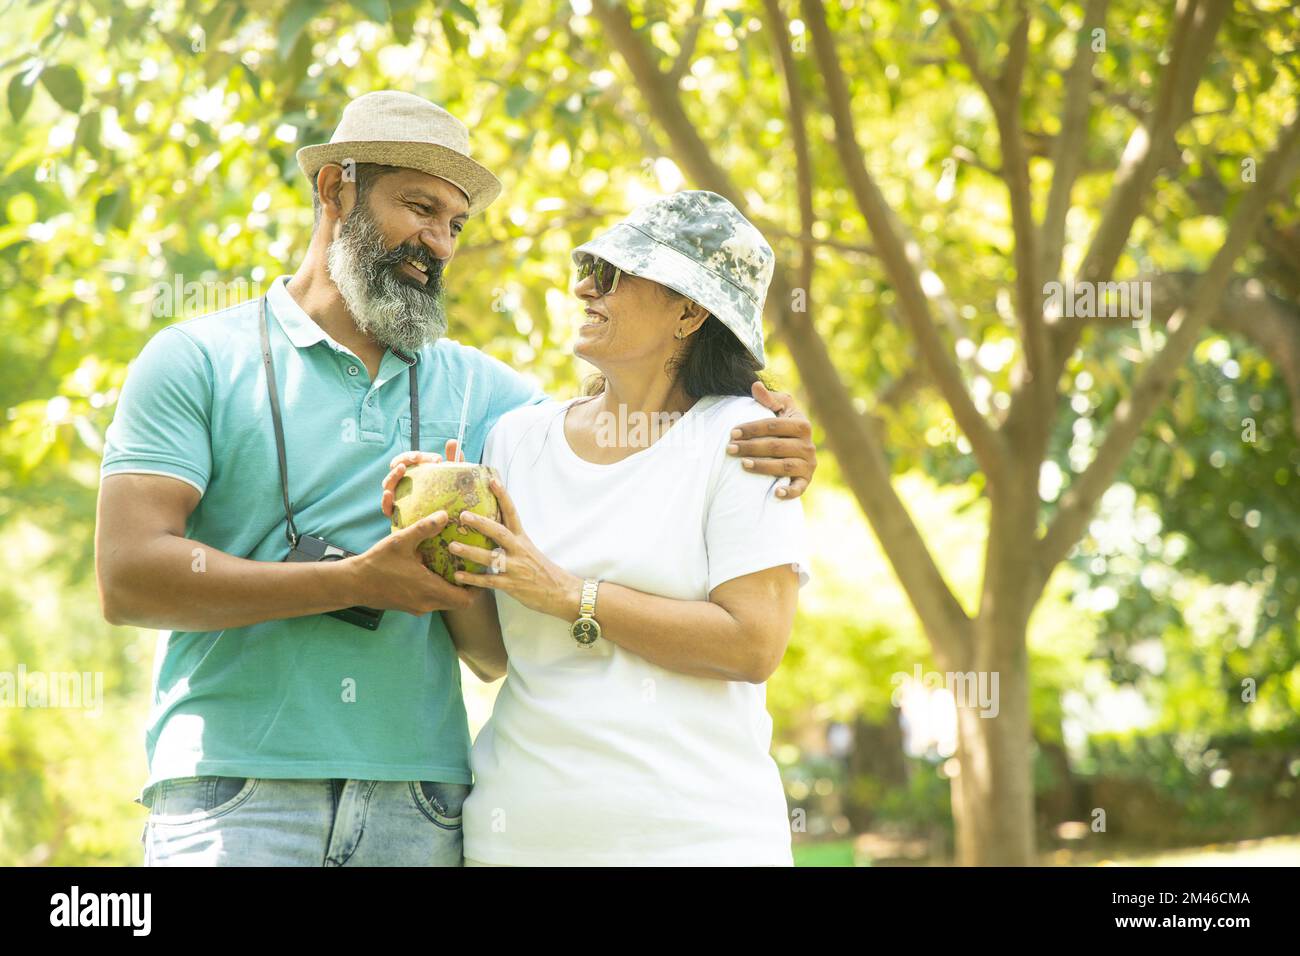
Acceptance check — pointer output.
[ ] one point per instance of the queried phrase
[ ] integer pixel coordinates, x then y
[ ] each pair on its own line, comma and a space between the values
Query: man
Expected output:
280, 733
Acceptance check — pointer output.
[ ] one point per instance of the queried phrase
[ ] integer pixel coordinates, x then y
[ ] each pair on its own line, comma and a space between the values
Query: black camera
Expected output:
311, 548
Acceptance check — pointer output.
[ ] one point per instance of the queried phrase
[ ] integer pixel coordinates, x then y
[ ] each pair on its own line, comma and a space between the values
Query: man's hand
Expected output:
391, 575
779, 446
397, 468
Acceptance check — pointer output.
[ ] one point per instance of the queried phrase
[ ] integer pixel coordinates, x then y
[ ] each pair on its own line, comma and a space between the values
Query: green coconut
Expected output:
453, 487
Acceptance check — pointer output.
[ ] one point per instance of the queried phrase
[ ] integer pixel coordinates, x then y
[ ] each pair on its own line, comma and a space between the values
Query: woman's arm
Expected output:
740, 633
476, 632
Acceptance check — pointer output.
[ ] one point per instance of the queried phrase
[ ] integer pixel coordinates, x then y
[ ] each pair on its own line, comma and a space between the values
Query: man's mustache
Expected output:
415, 252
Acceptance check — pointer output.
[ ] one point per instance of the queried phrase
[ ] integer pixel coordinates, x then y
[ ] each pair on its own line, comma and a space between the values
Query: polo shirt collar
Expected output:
302, 329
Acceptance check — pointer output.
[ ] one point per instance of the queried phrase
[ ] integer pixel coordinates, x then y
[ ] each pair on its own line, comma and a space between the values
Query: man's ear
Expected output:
336, 195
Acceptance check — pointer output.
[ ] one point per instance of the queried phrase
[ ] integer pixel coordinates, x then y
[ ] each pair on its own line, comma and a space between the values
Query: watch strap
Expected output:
587, 604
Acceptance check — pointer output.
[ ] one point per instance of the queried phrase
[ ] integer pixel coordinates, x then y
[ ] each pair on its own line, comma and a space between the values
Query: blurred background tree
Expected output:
915, 169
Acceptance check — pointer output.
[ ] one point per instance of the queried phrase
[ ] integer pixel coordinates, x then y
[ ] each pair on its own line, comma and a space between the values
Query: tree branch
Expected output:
856, 441
798, 130
970, 56
852, 437
900, 263
1003, 94
662, 100
1185, 326
1069, 147
1148, 149
1269, 322
1015, 166
971, 159
687, 49
853, 247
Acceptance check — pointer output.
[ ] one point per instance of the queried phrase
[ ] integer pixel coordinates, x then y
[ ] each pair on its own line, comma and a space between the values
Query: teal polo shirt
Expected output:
309, 697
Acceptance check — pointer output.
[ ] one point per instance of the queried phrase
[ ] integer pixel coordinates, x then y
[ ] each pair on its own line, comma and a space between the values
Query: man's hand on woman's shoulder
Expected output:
780, 446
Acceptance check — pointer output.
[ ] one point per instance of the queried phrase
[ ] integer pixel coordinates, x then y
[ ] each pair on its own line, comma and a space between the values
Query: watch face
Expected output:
585, 631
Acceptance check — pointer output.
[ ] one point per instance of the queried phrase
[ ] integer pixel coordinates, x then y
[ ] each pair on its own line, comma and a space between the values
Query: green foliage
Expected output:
147, 142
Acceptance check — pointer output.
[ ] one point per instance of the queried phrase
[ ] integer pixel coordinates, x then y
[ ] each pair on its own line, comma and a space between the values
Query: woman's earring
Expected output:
678, 334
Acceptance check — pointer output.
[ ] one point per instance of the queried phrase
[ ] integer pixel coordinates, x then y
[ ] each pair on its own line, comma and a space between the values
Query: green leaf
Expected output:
216, 26
292, 23
88, 134
20, 95
119, 28
465, 10
519, 100
107, 207
1050, 15
125, 210
299, 60
64, 84
1122, 56
454, 38
403, 23
254, 80
932, 27
986, 38
216, 65
376, 10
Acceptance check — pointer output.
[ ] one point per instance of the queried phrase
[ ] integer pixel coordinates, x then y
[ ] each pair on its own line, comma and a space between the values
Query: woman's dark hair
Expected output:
715, 363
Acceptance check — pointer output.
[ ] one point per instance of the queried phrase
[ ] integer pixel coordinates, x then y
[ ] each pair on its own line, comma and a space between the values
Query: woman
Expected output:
645, 583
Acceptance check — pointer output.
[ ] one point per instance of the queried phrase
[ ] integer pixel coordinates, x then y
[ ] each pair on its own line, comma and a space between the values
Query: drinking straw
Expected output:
464, 413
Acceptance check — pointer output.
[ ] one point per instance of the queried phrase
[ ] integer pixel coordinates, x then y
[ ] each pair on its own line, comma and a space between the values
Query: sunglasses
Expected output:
606, 274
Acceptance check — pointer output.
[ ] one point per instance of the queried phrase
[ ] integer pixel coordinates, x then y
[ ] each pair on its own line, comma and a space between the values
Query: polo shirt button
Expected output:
353, 370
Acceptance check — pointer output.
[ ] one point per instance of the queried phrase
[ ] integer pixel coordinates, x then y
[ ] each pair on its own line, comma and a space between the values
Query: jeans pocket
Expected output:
191, 799
440, 802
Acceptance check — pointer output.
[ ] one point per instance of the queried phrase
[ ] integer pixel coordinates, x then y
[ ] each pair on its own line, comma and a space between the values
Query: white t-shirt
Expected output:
594, 755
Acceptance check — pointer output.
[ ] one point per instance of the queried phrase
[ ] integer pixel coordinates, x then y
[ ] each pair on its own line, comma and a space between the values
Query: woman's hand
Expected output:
523, 572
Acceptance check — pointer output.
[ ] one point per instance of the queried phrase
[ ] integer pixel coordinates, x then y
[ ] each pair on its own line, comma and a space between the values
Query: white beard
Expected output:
394, 314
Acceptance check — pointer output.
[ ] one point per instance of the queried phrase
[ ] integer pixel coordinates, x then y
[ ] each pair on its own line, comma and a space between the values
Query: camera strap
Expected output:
291, 531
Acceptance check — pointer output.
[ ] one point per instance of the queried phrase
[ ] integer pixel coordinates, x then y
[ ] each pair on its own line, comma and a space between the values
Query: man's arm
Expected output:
780, 446
151, 575
476, 632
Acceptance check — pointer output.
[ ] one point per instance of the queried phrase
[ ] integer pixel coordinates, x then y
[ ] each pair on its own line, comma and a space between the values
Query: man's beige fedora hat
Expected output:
401, 129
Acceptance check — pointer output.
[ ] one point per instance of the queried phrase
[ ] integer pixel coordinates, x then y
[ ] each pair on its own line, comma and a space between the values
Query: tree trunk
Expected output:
992, 793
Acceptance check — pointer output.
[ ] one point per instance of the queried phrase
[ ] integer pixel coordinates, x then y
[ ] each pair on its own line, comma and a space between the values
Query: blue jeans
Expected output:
238, 821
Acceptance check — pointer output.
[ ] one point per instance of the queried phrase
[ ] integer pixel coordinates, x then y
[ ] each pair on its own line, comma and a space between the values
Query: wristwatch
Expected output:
586, 630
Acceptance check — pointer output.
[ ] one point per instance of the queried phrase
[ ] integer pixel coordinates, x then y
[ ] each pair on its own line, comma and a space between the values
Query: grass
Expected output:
1272, 851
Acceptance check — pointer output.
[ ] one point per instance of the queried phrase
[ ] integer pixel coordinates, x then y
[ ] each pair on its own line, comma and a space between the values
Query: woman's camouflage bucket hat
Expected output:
696, 243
